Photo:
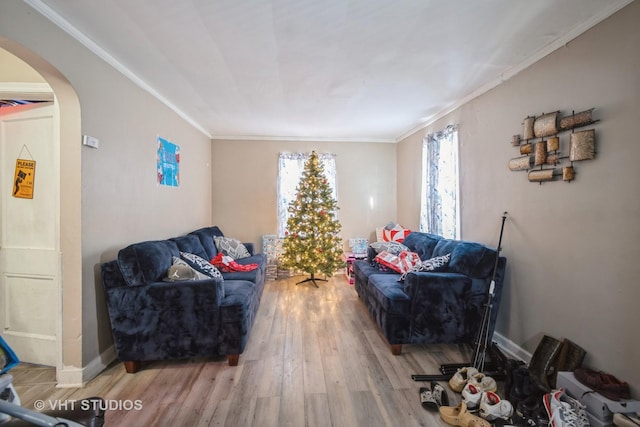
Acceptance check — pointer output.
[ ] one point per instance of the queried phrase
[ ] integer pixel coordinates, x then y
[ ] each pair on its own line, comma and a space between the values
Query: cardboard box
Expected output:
598, 407
594, 422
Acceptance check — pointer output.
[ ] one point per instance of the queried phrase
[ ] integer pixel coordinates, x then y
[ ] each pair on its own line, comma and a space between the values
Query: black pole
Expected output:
482, 341
447, 370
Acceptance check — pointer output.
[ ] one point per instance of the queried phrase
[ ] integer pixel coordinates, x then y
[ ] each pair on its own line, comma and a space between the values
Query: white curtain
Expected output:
290, 168
439, 211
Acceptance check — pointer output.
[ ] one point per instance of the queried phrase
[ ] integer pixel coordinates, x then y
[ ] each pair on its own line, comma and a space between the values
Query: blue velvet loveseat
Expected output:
153, 318
432, 307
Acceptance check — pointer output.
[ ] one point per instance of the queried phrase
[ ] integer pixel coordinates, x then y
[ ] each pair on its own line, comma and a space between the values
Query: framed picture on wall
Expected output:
168, 160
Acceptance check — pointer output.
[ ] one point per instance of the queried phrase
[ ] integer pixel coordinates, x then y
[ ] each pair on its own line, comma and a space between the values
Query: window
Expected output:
290, 168
439, 208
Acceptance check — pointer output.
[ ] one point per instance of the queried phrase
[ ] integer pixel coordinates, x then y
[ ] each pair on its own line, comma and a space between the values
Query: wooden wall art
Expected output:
543, 144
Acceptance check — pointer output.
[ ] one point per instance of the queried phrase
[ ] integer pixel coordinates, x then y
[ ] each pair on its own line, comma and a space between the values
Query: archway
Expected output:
69, 366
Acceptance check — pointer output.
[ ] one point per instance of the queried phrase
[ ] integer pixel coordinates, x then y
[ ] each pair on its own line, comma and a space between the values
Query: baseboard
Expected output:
70, 377
511, 349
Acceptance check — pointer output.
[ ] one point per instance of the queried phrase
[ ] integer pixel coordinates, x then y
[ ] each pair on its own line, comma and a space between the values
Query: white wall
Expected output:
572, 248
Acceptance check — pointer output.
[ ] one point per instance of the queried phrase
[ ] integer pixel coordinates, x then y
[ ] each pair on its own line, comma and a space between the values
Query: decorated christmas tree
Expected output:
312, 244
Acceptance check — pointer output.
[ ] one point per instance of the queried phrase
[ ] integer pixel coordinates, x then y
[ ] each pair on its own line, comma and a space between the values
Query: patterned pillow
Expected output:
201, 265
396, 234
181, 271
398, 263
391, 247
434, 264
231, 247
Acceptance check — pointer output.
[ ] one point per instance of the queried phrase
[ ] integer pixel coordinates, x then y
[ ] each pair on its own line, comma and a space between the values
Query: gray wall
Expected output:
121, 200
572, 248
245, 178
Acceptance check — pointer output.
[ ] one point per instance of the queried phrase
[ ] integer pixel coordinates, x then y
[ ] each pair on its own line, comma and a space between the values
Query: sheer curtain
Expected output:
290, 168
439, 209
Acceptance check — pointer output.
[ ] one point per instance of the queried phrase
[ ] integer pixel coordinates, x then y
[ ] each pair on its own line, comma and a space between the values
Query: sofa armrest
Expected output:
442, 307
164, 320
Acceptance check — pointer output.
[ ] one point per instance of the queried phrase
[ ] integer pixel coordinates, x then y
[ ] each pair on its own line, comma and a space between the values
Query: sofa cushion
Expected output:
468, 258
191, 244
146, 262
389, 293
206, 235
240, 297
422, 243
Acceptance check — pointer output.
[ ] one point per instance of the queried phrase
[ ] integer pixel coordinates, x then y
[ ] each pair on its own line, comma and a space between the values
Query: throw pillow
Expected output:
438, 263
398, 263
231, 247
396, 234
181, 271
201, 265
391, 247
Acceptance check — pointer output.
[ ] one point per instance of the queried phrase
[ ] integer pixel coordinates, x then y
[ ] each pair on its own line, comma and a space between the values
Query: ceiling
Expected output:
363, 70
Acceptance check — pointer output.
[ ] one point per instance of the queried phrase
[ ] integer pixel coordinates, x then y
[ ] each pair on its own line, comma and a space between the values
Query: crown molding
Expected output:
66, 26
301, 139
511, 72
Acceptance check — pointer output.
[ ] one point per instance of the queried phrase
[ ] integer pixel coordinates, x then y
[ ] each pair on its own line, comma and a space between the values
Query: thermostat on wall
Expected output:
90, 141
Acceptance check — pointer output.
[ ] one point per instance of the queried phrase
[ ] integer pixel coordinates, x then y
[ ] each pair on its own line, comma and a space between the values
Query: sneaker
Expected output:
564, 411
460, 378
471, 396
483, 382
493, 408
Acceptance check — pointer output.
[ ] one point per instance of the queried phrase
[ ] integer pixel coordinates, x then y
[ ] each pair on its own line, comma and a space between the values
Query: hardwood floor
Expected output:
314, 358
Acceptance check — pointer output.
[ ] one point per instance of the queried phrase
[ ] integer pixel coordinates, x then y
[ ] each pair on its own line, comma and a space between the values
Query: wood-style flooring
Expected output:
314, 358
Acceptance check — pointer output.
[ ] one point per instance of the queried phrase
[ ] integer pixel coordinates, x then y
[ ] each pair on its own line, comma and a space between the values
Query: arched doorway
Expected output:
68, 128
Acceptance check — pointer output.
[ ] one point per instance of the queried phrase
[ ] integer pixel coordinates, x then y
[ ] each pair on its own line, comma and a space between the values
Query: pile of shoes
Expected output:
481, 406
530, 398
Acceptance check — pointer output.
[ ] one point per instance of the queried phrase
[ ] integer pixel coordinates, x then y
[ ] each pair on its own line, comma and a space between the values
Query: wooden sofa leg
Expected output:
396, 349
233, 359
132, 366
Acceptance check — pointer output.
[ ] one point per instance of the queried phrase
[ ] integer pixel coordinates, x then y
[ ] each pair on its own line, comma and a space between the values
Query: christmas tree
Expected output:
312, 244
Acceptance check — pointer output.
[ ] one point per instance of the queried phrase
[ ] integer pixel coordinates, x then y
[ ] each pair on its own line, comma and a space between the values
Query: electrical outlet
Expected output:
90, 141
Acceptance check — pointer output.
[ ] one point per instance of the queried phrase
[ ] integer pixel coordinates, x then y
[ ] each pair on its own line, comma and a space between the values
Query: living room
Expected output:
571, 247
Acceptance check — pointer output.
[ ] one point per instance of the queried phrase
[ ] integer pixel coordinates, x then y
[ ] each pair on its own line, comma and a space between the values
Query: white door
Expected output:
29, 237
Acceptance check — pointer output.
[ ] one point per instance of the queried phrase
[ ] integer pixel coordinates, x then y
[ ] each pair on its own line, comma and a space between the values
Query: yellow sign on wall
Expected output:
23, 178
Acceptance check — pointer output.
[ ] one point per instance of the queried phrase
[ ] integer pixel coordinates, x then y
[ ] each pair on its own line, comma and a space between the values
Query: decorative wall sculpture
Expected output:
543, 143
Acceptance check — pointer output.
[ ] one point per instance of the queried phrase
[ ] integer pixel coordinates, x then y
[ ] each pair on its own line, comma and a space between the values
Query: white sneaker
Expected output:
493, 408
483, 382
471, 396
564, 411
460, 378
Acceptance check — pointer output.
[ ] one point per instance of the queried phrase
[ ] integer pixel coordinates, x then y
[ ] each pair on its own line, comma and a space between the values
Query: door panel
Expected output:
29, 255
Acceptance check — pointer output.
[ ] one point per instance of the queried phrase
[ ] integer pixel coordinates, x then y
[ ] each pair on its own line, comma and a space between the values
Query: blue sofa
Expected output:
432, 307
154, 319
